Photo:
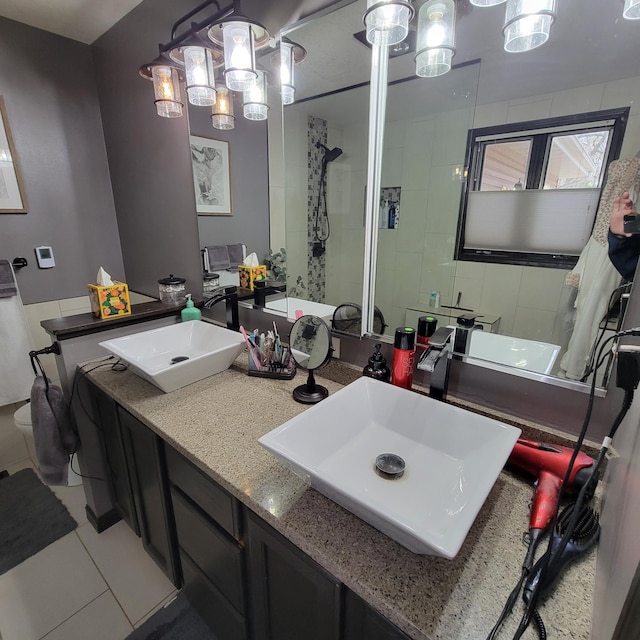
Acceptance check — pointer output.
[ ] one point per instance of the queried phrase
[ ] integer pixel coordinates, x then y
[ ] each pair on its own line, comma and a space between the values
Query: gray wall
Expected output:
249, 162
49, 90
149, 156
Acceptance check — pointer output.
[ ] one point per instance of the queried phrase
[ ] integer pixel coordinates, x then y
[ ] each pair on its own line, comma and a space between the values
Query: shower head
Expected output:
329, 154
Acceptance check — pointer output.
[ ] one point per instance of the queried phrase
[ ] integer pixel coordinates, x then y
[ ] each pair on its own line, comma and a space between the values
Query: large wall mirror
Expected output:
587, 66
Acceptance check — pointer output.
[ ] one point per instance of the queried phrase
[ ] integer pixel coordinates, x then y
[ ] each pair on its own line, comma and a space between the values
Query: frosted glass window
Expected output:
532, 221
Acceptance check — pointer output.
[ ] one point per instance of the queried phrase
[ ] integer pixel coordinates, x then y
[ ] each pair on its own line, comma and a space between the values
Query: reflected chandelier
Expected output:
527, 25
215, 57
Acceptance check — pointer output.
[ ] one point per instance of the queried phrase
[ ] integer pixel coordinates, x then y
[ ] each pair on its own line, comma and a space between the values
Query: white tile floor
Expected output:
82, 586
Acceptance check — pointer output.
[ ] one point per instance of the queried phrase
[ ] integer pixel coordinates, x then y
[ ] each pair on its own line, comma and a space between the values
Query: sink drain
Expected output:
179, 359
389, 466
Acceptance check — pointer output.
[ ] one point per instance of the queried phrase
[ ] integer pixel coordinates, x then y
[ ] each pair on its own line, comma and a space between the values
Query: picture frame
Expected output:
211, 176
12, 195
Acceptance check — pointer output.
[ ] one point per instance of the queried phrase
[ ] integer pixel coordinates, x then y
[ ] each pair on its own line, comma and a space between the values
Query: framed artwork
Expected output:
12, 197
211, 176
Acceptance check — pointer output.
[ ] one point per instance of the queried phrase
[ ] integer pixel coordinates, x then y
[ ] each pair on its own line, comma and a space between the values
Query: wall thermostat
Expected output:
45, 257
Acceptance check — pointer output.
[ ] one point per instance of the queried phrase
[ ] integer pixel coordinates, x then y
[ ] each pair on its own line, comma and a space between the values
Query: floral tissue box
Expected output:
249, 275
110, 302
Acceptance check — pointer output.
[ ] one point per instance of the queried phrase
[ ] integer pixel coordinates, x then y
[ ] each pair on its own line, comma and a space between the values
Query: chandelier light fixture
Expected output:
435, 39
255, 99
287, 89
527, 24
222, 111
221, 48
387, 21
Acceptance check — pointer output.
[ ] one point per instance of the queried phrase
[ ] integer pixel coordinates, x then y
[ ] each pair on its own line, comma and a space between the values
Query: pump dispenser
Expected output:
190, 312
377, 367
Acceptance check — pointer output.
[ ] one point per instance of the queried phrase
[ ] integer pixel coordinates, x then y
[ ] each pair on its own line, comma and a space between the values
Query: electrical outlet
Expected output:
335, 343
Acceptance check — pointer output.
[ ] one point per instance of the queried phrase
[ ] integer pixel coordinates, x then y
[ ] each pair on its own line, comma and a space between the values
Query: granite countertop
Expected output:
216, 424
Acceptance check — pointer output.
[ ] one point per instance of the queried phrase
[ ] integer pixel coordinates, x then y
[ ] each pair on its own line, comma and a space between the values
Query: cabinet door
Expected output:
109, 425
145, 459
362, 621
291, 596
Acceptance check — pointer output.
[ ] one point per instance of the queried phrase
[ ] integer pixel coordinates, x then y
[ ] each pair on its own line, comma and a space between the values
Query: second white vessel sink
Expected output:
452, 459
179, 354
530, 355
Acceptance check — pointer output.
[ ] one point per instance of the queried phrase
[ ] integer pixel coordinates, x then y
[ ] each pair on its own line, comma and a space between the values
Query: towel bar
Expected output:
18, 263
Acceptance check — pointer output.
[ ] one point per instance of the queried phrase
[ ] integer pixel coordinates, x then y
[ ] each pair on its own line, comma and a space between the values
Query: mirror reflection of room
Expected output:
534, 151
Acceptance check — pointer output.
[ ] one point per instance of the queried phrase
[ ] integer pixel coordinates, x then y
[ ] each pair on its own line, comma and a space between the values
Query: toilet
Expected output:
22, 420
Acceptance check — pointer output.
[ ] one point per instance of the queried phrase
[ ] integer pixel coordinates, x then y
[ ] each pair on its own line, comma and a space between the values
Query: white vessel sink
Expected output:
453, 458
290, 305
180, 354
529, 355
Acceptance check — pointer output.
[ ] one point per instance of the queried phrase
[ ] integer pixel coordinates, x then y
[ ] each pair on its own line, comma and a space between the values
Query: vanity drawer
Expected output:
219, 505
218, 557
214, 609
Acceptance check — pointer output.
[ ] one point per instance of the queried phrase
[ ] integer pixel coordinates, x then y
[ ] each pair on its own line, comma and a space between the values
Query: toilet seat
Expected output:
22, 417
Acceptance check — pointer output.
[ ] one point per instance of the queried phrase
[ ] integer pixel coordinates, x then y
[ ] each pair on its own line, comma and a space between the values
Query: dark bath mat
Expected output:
31, 517
176, 621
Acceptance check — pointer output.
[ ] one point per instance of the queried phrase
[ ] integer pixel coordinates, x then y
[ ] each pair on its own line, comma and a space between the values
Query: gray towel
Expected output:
7, 280
236, 255
218, 257
53, 433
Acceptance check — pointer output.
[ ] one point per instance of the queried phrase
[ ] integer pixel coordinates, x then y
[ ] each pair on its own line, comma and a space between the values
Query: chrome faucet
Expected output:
437, 360
230, 296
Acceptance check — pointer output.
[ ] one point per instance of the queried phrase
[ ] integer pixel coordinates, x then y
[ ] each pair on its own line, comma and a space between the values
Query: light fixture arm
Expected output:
227, 10
192, 13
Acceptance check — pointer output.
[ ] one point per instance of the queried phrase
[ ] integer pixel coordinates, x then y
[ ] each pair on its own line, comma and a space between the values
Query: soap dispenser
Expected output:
377, 367
190, 312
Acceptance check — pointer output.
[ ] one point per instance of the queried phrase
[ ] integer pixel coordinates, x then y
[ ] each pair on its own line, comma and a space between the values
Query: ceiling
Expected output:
82, 20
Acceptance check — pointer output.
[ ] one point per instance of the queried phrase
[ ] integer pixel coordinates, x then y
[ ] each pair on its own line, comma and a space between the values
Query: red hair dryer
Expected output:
548, 464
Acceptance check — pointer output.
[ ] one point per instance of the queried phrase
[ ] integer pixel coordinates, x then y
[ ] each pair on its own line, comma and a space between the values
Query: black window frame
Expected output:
538, 160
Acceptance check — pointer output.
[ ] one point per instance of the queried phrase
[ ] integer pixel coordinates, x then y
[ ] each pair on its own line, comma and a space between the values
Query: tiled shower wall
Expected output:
316, 266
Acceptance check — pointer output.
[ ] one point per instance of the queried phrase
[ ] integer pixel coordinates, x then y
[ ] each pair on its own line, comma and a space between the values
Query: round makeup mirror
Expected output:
310, 342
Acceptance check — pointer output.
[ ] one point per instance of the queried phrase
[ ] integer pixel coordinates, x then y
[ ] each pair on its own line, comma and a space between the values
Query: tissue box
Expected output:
249, 275
110, 302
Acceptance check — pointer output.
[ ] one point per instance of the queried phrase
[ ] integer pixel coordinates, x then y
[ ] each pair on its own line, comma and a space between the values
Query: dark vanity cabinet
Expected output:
144, 453
292, 596
135, 461
209, 538
106, 418
362, 621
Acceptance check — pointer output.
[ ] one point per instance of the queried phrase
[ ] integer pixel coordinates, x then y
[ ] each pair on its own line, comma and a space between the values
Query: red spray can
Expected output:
404, 348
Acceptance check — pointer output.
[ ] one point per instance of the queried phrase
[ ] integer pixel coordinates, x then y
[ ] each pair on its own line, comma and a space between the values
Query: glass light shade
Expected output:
200, 83
387, 21
435, 39
222, 112
166, 88
255, 99
486, 3
527, 24
287, 88
631, 10
239, 55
